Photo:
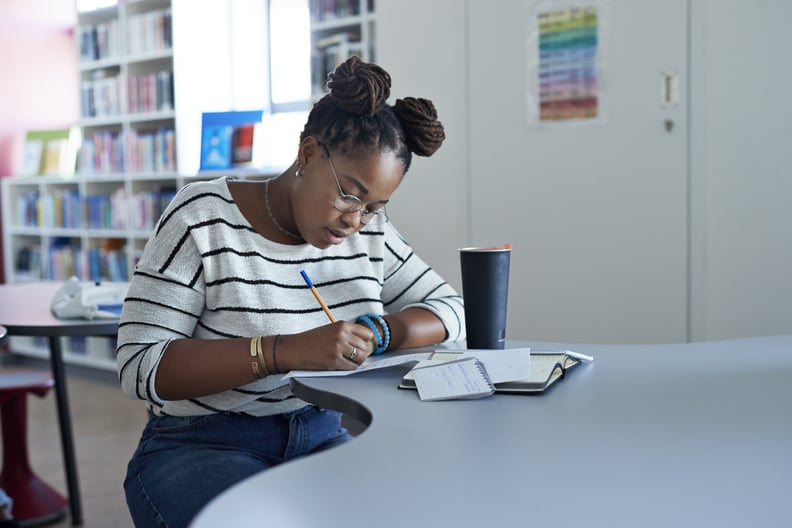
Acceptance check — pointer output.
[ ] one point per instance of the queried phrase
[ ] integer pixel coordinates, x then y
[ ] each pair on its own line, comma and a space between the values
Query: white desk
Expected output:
653, 436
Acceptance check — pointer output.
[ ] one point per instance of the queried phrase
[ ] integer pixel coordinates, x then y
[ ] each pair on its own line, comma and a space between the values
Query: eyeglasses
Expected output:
349, 203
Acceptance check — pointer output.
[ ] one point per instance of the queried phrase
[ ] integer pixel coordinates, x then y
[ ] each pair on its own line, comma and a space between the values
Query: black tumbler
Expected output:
485, 287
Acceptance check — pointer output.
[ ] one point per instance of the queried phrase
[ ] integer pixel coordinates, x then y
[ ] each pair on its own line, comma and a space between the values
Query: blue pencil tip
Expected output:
306, 278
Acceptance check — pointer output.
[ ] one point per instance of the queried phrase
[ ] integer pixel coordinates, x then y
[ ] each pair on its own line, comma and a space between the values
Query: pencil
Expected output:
318, 297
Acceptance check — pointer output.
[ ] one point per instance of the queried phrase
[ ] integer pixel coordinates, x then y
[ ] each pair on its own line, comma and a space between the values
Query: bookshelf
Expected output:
56, 226
126, 89
92, 226
339, 29
94, 222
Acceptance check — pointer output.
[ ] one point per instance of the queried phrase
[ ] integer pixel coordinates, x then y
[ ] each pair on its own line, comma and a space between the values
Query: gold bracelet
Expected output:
256, 370
255, 365
260, 355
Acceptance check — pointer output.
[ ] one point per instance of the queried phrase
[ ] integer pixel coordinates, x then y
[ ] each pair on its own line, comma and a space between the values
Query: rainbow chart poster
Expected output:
567, 78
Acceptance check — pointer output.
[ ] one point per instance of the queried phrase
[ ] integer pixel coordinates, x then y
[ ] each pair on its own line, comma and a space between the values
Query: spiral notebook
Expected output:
454, 380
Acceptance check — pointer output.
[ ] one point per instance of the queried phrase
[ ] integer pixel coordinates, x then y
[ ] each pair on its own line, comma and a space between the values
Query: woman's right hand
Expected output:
337, 346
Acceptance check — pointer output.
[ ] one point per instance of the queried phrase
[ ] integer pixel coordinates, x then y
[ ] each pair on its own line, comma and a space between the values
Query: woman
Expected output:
217, 307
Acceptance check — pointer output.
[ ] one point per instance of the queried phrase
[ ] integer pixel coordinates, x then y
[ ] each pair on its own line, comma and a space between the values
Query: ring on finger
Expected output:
353, 354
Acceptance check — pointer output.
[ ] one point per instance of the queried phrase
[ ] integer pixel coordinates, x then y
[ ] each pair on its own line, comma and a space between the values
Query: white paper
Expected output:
371, 363
508, 364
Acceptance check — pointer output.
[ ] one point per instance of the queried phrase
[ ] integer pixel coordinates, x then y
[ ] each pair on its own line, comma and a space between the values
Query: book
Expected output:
242, 144
464, 378
50, 152
216, 147
546, 368
228, 139
31, 163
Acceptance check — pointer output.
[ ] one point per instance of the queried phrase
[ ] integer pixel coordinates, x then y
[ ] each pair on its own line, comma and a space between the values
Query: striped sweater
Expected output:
206, 273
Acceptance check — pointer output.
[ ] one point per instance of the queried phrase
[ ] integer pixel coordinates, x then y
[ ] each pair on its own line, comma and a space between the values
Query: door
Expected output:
742, 189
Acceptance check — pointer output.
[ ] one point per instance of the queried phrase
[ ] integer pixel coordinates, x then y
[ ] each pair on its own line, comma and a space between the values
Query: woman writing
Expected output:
217, 308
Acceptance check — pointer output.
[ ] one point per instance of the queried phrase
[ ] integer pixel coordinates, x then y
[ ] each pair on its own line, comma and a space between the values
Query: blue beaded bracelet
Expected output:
383, 340
366, 320
386, 329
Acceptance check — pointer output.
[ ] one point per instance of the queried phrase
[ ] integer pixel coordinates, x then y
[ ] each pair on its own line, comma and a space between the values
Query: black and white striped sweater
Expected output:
206, 273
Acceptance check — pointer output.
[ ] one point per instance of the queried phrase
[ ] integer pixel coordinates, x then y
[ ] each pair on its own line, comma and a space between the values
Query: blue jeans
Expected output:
182, 463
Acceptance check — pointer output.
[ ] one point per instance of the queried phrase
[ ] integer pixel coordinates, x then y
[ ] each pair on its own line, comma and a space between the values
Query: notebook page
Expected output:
542, 367
461, 379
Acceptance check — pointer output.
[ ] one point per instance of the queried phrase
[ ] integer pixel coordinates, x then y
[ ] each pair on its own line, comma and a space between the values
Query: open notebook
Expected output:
546, 368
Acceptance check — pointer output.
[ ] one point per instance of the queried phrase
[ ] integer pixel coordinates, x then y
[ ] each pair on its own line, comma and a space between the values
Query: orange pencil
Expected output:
318, 297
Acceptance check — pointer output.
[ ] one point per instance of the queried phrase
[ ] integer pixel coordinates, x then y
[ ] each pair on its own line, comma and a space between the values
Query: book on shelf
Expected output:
100, 95
101, 152
546, 368
149, 32
150, 92
63, 259
31, 162
151, 150
322, 10
27, 263
228, 139
329, 52
50, 152
98, 41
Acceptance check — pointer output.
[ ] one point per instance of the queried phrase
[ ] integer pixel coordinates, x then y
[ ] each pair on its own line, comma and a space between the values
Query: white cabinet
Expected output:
741, 169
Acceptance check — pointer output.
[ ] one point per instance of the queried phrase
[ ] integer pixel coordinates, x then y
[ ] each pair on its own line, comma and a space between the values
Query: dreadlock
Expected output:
355, 118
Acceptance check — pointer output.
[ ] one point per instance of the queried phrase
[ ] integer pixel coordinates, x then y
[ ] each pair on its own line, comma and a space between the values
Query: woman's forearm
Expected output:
414, 327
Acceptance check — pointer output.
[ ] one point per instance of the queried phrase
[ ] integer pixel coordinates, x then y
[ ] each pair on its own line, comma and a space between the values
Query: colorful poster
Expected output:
565, 58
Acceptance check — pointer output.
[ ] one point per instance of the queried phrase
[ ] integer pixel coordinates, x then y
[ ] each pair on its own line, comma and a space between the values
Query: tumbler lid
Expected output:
502, 247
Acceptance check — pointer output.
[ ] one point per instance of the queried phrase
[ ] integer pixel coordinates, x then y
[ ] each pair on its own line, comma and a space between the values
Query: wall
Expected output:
684, 236
38, 65
430, 206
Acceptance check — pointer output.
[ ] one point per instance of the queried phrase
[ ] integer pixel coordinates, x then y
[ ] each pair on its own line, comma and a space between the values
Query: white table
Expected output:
25, 311
649, 435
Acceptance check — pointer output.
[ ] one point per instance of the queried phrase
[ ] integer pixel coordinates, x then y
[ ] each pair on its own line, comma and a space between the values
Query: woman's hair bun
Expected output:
359, 87
422, 131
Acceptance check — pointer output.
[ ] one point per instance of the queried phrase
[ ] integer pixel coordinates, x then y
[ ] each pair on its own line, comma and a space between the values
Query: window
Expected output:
290, 77
90, 5
290, 55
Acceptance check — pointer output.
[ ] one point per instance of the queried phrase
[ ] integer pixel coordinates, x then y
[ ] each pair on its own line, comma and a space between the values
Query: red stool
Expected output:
34, 500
